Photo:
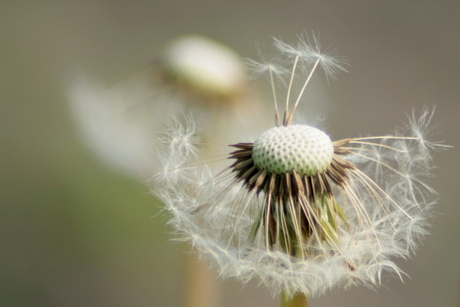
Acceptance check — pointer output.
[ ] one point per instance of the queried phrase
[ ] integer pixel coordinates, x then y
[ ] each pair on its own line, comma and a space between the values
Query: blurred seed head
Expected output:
204, 67
191, 75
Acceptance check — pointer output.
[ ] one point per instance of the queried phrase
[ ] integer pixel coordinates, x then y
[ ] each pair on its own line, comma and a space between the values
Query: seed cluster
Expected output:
302, 148
295, 167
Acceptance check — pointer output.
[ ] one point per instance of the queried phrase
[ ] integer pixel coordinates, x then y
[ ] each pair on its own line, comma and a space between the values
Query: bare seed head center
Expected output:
302, 148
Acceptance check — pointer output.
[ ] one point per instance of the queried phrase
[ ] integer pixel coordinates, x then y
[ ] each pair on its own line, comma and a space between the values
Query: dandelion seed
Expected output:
303, 213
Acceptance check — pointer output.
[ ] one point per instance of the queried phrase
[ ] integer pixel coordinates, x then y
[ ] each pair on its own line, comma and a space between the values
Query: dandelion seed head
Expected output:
301, 212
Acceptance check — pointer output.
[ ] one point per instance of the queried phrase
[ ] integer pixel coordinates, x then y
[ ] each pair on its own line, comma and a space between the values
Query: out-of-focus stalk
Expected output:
297, 300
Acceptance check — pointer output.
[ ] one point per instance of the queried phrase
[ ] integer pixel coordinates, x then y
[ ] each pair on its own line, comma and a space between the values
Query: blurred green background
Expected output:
75, 233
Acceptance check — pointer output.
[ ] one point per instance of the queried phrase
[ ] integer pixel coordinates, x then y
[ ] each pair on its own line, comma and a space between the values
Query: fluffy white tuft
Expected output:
309, 50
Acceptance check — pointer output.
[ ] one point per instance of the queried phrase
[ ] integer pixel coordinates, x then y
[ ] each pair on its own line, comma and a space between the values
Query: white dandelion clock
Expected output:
298, 211
192, 74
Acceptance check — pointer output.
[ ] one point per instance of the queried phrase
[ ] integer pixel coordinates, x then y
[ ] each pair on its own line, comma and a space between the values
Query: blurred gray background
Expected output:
75, 233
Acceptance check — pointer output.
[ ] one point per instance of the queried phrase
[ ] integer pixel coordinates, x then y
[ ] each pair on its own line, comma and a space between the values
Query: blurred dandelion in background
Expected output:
292, 208
192, 75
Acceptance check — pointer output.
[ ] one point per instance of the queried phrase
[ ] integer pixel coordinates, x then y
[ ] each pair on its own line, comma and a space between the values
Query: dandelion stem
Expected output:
297, 300
202, 287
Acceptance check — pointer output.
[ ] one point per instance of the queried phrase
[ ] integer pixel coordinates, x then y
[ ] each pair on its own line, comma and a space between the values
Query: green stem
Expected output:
297, 300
